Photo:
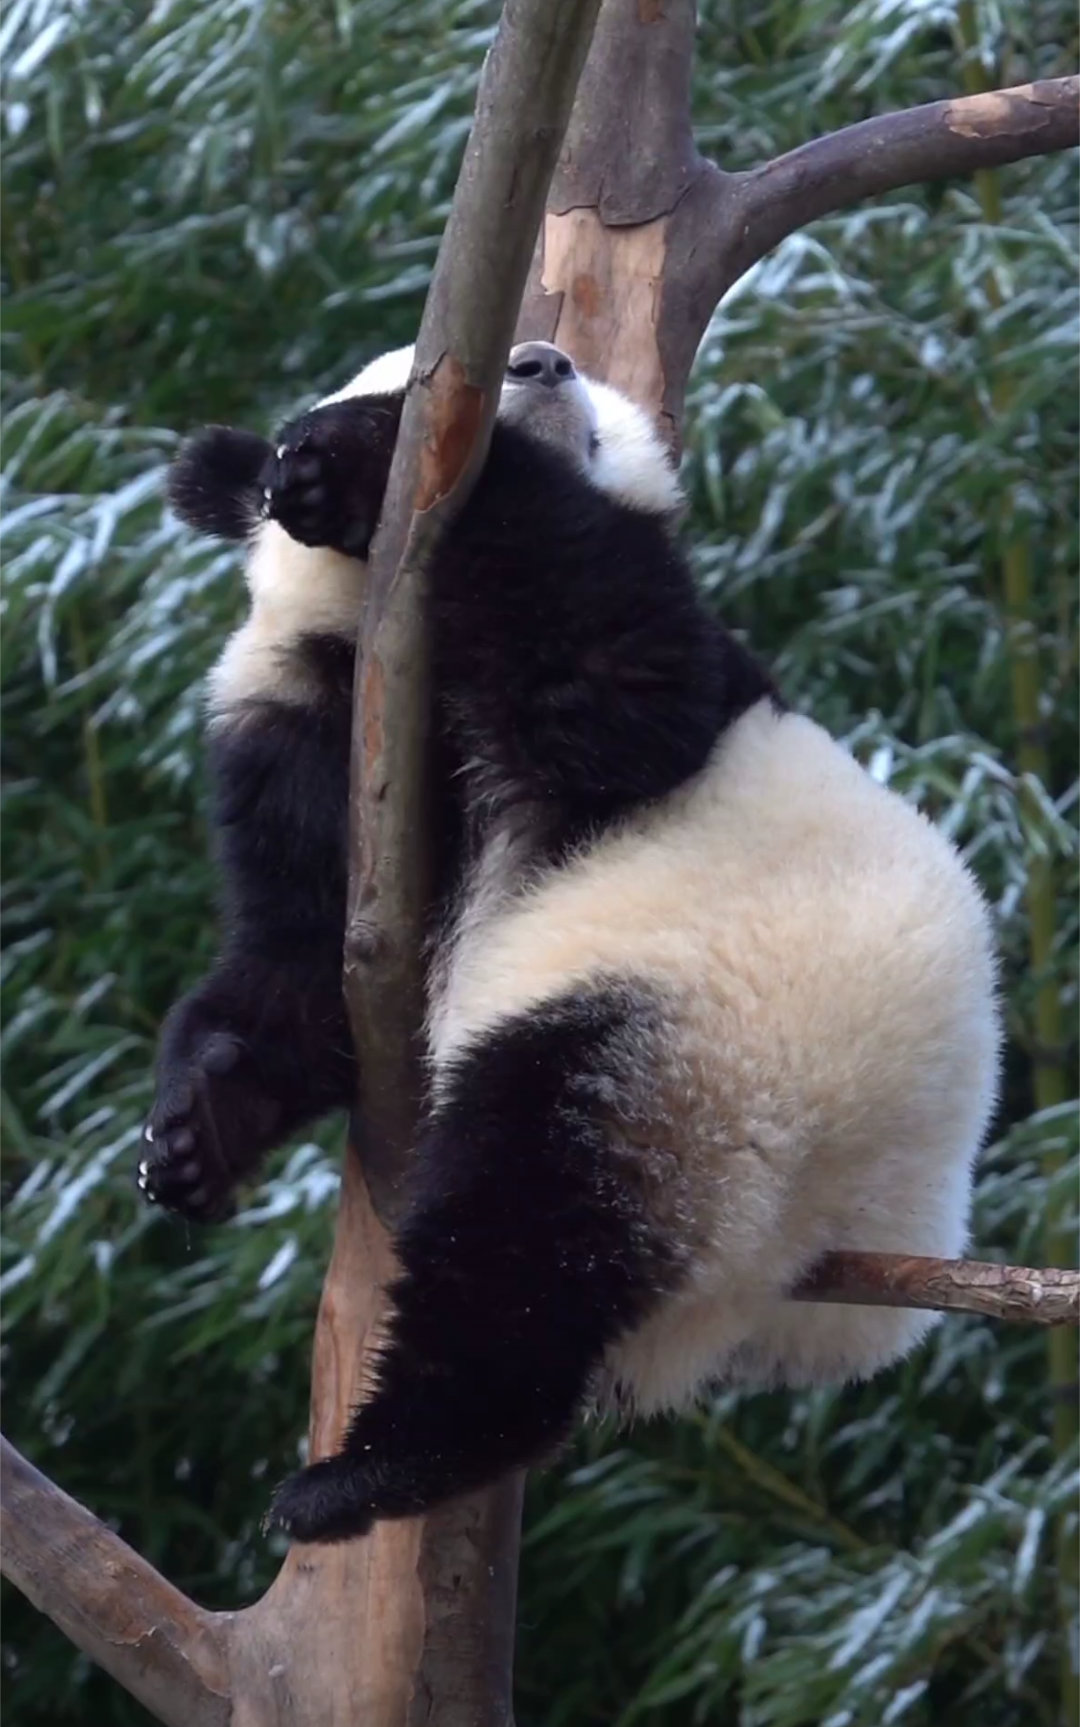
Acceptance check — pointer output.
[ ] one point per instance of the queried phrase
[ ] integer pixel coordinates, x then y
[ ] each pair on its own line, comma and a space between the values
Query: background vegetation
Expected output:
216, 208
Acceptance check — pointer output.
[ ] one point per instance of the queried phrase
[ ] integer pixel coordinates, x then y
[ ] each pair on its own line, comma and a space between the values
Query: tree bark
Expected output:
425, 1607
642, 235
1009, 1292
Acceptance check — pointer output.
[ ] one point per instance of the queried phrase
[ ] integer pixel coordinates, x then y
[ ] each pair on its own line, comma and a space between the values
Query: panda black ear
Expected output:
213, 481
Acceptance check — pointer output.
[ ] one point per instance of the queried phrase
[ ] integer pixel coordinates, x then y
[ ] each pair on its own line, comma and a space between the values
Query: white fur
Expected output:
383, 376
631, 463
296, 589
824, 1065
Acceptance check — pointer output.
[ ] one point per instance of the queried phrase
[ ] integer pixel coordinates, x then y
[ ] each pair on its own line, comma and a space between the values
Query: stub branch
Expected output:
1012, 1292
115, 1607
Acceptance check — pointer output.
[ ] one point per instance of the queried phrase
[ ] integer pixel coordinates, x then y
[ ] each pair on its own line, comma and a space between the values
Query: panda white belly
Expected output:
817, 1066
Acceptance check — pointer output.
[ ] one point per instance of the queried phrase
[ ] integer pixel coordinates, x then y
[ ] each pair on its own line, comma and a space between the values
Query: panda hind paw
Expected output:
329, 1501
209, 1117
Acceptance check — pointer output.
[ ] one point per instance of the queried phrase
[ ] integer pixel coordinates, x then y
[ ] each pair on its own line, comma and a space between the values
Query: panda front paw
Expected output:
211, 1120
313, 485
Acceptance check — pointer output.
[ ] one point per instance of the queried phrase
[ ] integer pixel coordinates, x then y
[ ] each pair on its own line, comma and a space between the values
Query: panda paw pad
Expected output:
309, 489
208, 1116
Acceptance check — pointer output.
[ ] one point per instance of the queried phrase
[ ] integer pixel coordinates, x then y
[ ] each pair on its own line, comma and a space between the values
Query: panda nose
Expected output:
539, 363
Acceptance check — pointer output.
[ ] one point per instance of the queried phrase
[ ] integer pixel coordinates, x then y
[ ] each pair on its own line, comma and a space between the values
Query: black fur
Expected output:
574, 661
527, 1251
326, 489
214, 482
262, 1045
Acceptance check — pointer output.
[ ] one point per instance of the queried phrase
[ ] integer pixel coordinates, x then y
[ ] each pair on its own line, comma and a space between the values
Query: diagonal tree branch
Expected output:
114, 1606
434, 1598
526, 94
754, 211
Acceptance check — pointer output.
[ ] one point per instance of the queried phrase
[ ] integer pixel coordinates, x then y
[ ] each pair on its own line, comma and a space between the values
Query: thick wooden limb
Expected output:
524, 102
167, 1652
432, 1600
1012, 1292
938, 141
643, 236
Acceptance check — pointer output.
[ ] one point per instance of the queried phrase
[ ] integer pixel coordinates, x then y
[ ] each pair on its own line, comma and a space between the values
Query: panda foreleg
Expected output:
254, 1052
528, 1249
262, 1046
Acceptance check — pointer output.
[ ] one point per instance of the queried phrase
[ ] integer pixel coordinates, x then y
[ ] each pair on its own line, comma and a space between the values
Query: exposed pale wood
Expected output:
612, 236
1011, 1292
609, 281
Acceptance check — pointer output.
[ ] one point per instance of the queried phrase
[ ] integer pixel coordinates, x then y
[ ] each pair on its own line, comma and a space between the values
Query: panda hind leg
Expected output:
529, 1247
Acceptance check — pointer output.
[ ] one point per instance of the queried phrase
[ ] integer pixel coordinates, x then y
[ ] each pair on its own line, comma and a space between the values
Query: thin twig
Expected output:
1013, 1292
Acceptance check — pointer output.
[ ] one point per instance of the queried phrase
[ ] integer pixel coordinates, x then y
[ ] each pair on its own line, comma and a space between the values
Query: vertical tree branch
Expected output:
433, 1599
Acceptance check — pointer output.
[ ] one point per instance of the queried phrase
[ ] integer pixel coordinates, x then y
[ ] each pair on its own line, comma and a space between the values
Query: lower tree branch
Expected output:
167, 1652
406, 1604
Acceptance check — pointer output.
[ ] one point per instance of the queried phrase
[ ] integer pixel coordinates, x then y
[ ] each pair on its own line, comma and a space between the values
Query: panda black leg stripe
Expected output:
527, 1251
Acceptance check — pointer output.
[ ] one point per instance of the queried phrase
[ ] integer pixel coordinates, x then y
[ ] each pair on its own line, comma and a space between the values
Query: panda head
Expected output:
214, 481
607, 436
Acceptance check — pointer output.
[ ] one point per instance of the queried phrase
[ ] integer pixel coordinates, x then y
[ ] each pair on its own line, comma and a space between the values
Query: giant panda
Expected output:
705, 1001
